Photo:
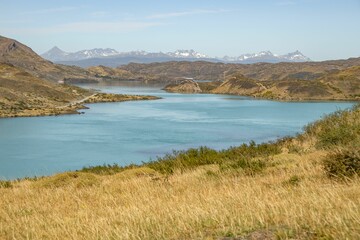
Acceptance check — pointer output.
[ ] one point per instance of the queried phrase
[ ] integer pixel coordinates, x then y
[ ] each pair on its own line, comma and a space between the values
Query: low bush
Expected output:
294, 180
338, 129
343, 163
106, 169
183, 160
5, 184
245, 156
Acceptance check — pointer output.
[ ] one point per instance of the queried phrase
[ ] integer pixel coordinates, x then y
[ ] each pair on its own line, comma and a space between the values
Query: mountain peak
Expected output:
54, 54
296, 56
182, 53
55, 49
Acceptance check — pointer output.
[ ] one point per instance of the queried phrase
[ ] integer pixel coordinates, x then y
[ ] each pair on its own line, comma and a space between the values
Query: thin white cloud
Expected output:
184, 13
86, 27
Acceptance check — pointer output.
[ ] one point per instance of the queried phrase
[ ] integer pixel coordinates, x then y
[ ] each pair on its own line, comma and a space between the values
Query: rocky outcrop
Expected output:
185, 86
240, 85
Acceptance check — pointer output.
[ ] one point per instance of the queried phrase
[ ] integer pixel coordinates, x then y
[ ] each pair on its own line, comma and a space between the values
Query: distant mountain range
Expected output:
56, 54
267, 56
112, 58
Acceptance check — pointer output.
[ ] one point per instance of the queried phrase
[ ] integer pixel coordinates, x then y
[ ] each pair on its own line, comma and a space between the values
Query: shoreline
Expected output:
355, 100
241, 86
74, 107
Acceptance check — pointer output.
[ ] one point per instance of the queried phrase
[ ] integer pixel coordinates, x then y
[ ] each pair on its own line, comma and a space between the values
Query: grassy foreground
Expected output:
306, 187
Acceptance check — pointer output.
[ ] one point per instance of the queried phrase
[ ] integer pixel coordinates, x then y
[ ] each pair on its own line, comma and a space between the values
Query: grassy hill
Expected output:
22, 94
110, 73
306, 187
17, 54
291, 89
220, 71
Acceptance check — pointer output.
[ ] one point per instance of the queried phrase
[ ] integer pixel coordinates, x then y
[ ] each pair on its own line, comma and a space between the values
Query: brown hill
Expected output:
169, 71
345, 81
220, 71
338, 79
110, 73
328, 87
17, 54
22, 94
240, 85
185, 86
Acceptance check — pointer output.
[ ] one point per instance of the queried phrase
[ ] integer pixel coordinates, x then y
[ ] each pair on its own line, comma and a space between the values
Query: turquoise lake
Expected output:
134, 132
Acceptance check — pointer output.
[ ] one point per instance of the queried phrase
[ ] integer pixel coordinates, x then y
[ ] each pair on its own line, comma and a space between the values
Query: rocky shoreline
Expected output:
72, 107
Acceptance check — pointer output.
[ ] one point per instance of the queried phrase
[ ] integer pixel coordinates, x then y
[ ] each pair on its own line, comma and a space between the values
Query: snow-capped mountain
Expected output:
95, 53
187, 54
296, 56
267, 56
112, 58
55, 54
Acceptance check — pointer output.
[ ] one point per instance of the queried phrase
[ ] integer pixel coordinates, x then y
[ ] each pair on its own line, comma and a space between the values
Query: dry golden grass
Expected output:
292, 199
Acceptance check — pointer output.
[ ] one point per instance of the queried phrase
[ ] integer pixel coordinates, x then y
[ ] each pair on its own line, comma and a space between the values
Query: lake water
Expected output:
132, 132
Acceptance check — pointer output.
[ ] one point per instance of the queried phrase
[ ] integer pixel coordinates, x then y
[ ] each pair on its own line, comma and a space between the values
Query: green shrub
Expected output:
183, 160
245, 156
5, 184
343, 163
233, 158
106, 169
249, 166
294, 180
337, 129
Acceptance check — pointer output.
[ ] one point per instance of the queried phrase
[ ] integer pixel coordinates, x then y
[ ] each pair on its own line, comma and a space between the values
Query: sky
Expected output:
320, 29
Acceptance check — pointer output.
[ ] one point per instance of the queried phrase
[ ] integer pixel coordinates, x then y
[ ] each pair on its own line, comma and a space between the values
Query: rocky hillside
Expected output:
220, 71
110, 73
329, 80
281, 90
185, 86
22, 94
17, 54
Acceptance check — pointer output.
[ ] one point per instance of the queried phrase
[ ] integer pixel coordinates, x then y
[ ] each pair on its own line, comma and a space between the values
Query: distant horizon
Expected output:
321, 30
174, 50
140, 50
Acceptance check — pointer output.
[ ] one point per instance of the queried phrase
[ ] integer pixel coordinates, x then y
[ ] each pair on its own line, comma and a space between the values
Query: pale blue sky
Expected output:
318, 28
